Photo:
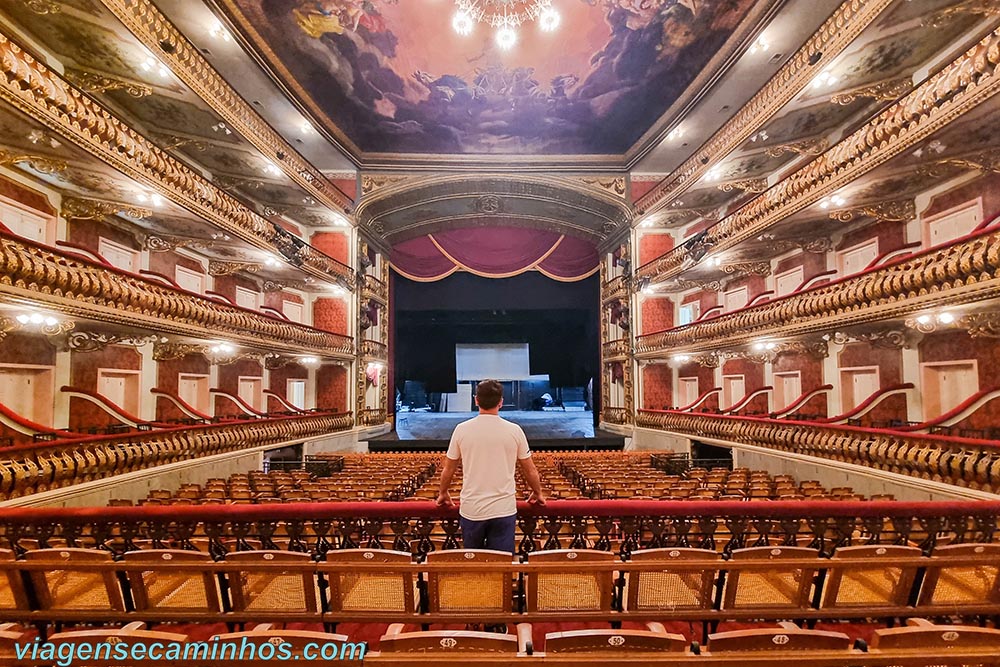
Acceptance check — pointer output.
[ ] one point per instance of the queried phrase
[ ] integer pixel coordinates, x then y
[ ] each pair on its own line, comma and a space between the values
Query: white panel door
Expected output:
297, 393
787, 387
246, 298
120, 387
733, 390
250, 391
193, 390
688, 313
857, 384
31, 226
952, 224
28, 393
946, 385
687, 390
190, 280
292, 311
857, 258
787, 282
736, 299
118, 255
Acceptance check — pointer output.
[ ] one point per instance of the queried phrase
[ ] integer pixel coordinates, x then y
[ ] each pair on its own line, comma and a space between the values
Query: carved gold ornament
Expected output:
883, 91
219, 268
95, 209
902, 210
805, 147
91, 82
40, 163
752, 185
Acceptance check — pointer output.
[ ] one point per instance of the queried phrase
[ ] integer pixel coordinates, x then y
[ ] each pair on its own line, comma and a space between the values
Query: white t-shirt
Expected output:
488, 447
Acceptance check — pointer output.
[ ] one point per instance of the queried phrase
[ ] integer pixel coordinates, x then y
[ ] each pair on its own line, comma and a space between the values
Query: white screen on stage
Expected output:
495, 362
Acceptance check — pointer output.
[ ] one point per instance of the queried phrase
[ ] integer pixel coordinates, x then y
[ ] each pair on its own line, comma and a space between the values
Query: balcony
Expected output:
959, 273
615, 415
373, 288
614, 289
372, 417
373, 350
961, 461
615, 350
81, 288
28, 469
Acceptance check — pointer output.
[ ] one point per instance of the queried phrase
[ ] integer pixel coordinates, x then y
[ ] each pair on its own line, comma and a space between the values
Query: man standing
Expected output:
489, 448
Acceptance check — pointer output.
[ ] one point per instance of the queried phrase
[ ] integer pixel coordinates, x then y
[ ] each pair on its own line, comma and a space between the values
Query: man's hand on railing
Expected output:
537, 498
444, 500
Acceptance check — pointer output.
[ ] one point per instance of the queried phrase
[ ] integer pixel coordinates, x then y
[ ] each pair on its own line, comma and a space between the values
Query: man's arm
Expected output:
447, 472
530, 473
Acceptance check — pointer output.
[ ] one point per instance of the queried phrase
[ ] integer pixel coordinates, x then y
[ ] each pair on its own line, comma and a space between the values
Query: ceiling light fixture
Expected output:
151, 64
760, 44
272, 168
218, 31
833, 200
505, 16
675, 133
824, 79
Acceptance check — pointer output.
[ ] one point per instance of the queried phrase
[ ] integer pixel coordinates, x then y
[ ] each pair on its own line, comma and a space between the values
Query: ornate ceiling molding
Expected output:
811, 147
966, 8
187, 63
902, 210
741, 269
372, 182
977, 325
41, 7
95, 341
752, 185
9, 324
279, 285
40, 163
835, 35
956, 89
79, 208
889, 338
90, 82
219, 268
614, 185
42, 94
155, 243
883, 91
816, 246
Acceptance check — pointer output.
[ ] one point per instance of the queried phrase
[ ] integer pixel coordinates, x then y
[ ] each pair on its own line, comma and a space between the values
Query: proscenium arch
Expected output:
414, 207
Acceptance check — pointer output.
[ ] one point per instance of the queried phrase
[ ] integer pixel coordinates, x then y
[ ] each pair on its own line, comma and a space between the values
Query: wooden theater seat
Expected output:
787, 638
271, 591
445, 646
12, 594
367, 594
564, 592
461, 593
102, 642
654, 639
672, 591
174, 594
265, 645
10, 636
870, 581
785, 588
925, 637
66, 592
953, 586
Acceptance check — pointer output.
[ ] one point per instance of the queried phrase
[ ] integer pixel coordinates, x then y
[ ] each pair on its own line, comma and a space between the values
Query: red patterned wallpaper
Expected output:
279, 384
891, 236
890, 365
657, 314
83, 375
657, 389
957, 345
706, 381
334, 244
25, 195
349, 186
330, 314
19, 348
810, 262
331, 388
88, 233
652, 246
229, 382
810, 377
640, 188
987, 186
707, 299
166, 379
165, 262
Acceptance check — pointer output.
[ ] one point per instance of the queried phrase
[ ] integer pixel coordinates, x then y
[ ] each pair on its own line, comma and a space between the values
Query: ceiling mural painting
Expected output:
392, 76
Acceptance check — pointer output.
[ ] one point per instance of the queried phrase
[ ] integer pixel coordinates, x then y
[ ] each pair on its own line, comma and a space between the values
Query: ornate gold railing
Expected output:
41, 93
960, 86
372, 417
613, 289
615, 350
39, 467
86, 289
373, 288
373, 349
966, 271
960, 461
615, 415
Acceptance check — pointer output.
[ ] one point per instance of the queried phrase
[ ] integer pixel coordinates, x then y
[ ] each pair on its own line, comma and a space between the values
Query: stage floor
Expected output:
439, 425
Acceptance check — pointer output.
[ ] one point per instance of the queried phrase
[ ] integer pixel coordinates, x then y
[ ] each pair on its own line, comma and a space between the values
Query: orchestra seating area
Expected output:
566, 475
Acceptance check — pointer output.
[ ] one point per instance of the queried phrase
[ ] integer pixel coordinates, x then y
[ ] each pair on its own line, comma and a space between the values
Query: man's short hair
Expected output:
489, 393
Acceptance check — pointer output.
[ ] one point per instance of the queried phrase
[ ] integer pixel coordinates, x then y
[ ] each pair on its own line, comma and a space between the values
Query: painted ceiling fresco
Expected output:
391, 76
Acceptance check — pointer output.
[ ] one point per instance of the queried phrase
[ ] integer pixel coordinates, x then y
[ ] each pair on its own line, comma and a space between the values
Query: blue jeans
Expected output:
497, 534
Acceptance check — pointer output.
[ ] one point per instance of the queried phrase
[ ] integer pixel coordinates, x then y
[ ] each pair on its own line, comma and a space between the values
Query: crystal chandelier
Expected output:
504, 15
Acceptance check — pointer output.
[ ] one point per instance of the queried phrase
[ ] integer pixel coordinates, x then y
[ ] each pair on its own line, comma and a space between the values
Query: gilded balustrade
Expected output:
44, 95
960, 461
80, 288
373, 349
613, 289
372, 417
959, 87
373, 288
615, 415
40, 467
615, 350
964, 272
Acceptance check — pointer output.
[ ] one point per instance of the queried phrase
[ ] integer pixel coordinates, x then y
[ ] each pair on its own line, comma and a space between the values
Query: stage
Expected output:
545, 430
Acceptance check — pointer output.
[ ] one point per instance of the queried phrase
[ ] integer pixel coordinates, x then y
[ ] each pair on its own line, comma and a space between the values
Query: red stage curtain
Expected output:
495, 252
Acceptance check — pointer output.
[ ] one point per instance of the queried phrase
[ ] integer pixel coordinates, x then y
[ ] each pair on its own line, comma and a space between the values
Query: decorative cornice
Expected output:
40, 163
817, 246
957, 88
888, 338
42, 7
95, 341
39, 92
835, 35
748, 269
217, 268
77, 208
612, 184
187, 63
966, 8
902, 210
8, 325
371, 183
883, 91
956, 274
753, 185
84, 289
154, 243
279, 285
167, 351
977, 325
91, 82
811, 147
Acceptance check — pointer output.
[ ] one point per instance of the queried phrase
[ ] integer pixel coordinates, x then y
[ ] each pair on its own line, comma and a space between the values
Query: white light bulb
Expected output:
272, 169
946, 318
758, 346
51, 321
23, 319
35, 318
924, 319
155, 199
770, 346
462, 22
548, 20
506, 38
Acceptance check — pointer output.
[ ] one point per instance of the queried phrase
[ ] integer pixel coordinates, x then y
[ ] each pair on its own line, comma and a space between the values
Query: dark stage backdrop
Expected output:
559, 322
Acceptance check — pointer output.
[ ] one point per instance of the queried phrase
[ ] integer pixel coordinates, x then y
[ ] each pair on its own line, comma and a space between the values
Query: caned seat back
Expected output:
184, 591
568, 591
976, 583
469, 591
668, 589
63, 586
273, 589
357, 592
12, 595
873, 582
778, 587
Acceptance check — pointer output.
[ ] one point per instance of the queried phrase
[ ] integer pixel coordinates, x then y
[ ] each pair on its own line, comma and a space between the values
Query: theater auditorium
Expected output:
732, 267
